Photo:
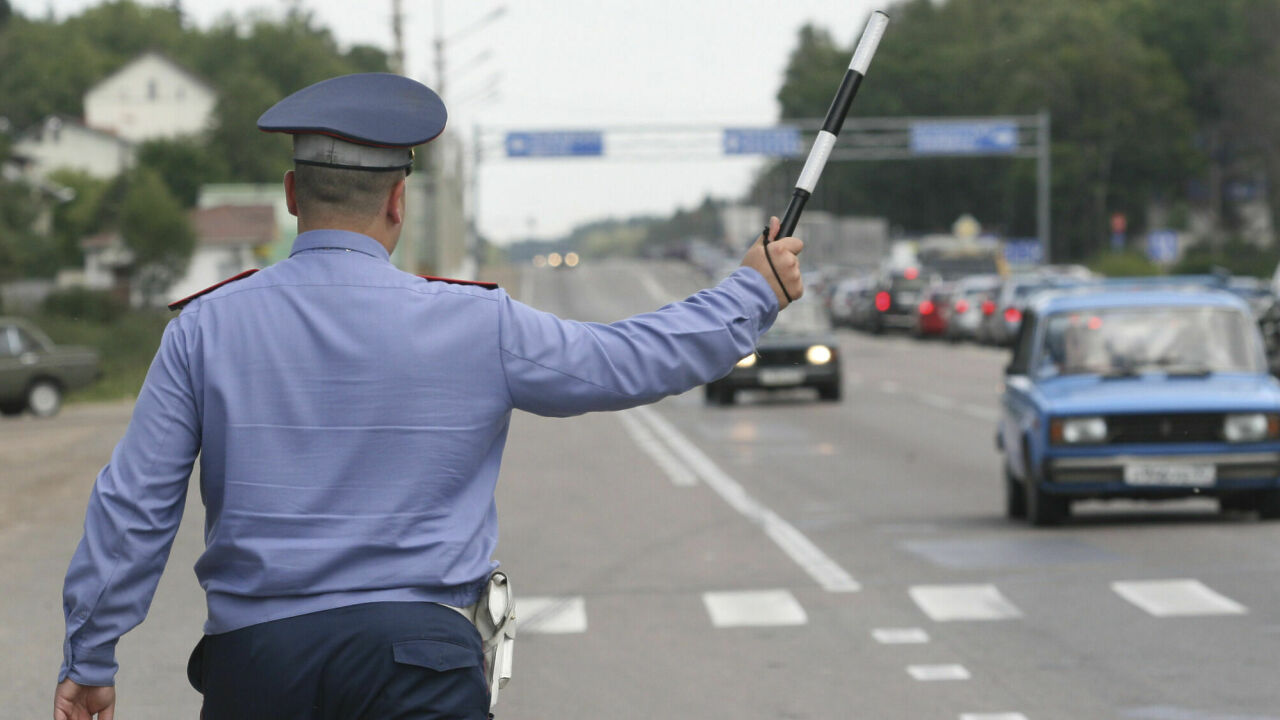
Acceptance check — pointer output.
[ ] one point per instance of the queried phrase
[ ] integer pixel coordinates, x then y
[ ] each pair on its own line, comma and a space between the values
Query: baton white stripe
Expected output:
799, 548
870, 41
822, 146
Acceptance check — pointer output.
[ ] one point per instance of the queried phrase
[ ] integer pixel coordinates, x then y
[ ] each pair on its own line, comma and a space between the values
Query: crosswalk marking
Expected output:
1173, 598
900, 636
944, 603
551, 615
927, 673
753, 608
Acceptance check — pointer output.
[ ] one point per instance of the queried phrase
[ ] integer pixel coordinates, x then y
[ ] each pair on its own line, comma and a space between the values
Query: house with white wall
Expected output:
150, 97
60, 142
229, 240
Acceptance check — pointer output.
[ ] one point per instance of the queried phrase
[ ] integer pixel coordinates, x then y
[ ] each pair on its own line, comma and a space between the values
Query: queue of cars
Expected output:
1138, 388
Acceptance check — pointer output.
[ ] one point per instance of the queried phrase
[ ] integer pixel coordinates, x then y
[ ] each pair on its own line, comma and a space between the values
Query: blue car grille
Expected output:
1167, 428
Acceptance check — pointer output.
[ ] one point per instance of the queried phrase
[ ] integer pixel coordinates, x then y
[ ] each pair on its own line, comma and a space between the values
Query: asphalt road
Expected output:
782, 558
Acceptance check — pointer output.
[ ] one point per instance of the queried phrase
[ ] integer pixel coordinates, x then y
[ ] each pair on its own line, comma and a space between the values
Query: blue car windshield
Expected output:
1129, 341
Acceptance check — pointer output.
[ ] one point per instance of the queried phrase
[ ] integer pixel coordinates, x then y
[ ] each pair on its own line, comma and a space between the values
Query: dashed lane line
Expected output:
1177, 598
900, 636
945, 603
551, 615
824, 570
753, 608
993, 716
929, 673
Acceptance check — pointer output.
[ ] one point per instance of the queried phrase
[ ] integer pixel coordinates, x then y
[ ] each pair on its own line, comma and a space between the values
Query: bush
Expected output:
1127, 263
1237, 256
84, 304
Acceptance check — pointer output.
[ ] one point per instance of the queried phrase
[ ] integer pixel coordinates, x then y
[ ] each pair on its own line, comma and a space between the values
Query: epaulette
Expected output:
477, 283
179, 304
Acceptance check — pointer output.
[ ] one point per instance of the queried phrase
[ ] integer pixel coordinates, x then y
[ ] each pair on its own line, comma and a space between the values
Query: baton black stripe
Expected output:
833, 122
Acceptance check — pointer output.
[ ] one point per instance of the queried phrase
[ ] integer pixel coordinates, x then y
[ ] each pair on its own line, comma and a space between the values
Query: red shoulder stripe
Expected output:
477, 283
178, 305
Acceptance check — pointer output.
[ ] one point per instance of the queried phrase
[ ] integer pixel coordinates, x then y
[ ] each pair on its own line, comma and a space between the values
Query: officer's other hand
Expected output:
783, 251
73, 701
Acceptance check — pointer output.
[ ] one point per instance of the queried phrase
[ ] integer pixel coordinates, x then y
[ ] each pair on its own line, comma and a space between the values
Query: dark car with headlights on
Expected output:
35, 373
1148, 394
799, 351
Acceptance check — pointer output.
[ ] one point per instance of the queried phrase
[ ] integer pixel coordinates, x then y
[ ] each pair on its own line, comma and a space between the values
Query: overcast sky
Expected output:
582, 64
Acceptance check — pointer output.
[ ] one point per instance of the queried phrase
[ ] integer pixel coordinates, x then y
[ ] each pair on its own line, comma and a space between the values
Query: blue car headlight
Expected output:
1077, 430
1250, 427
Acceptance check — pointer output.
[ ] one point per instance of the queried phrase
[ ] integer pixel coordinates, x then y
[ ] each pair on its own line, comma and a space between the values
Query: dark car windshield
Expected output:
902, 284
1176, 340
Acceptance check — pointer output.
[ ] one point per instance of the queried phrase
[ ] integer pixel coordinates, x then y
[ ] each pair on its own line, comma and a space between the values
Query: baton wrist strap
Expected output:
781, 285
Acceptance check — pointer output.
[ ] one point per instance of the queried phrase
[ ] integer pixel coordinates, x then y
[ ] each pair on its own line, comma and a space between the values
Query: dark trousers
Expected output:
381, 661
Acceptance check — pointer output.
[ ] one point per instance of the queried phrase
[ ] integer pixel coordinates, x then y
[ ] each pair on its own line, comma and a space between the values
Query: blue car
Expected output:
1143, 393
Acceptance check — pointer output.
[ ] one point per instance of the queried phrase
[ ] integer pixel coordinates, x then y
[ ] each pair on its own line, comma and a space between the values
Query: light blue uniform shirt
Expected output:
350, 419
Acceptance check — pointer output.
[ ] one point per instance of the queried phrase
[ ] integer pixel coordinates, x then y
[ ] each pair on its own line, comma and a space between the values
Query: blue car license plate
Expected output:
1170, 474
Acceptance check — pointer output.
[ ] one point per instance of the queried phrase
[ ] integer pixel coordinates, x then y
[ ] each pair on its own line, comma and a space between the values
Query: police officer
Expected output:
350, 420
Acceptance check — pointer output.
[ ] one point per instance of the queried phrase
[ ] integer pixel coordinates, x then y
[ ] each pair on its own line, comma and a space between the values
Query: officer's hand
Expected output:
73, 701
783, 252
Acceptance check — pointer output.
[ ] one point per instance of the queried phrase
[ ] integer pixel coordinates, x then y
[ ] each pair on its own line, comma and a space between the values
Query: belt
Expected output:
494, 616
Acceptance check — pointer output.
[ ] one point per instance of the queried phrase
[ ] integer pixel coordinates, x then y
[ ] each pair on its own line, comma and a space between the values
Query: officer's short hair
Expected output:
325, 191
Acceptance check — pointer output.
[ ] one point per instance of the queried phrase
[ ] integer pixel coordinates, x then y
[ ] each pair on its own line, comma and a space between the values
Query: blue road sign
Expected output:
1023, 252
1162, 246
777, 141
556, 143
964, 137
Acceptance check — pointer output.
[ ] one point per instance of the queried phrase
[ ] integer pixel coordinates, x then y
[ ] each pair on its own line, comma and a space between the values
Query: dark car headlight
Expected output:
818, 354
1250, 427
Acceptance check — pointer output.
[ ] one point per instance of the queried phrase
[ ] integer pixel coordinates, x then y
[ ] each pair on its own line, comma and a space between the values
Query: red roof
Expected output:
235, 225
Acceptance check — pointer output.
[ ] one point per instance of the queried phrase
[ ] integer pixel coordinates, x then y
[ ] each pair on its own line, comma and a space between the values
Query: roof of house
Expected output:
190, 75
101, 241
235, 225
35, 133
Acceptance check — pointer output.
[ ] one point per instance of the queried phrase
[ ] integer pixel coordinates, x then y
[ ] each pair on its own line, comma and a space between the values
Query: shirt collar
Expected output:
339, 240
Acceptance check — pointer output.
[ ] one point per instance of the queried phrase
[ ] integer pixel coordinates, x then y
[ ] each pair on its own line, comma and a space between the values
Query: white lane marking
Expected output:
753, 608
900, 636
927, 673
890, 387
981, 412
651, 286
1171, 598
551, 615
679, 474
799, 548
939, 401
993, 716
944, 603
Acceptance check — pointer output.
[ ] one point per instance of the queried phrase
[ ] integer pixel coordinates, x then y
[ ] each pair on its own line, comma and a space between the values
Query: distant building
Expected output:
229, 239
108, 264
150, 97
217, 194
61, 142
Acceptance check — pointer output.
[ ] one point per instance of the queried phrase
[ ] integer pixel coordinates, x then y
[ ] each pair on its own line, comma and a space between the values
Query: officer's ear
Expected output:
396, 203
290, 198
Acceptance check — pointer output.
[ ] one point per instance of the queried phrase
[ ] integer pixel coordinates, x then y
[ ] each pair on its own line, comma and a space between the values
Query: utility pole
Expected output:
397, 33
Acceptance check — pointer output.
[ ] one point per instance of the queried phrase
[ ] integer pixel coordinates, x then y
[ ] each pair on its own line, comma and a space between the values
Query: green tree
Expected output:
184, 164
155, 227
78, 218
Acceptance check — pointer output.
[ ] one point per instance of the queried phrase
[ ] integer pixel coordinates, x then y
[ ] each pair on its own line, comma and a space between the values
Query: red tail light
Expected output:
882, 301
911, 273
988, 307
962, 306
1012, 315
926, 307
